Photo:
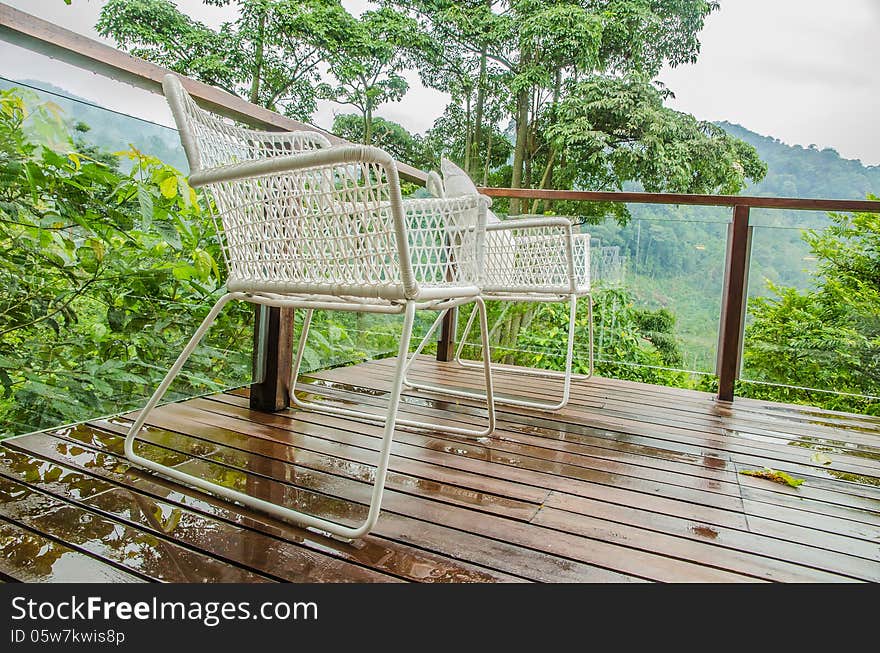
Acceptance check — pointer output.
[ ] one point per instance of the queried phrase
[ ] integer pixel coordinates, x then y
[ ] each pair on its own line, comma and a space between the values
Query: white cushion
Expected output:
457, 183
500, 245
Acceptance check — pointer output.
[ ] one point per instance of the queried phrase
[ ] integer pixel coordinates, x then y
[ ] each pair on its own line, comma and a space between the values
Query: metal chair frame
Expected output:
529, 259
312, 226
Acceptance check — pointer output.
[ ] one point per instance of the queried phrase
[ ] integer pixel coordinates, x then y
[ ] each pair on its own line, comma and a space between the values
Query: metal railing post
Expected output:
733, 302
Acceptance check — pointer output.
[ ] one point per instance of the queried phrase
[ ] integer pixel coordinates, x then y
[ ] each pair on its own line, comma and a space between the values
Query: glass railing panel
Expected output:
813, 312
657, 284
108, 272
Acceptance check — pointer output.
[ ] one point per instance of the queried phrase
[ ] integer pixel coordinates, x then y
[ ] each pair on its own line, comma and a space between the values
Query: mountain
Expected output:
674, 256
796, 171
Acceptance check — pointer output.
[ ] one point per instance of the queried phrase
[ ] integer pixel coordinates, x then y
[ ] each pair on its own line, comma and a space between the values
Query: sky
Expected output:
803, 71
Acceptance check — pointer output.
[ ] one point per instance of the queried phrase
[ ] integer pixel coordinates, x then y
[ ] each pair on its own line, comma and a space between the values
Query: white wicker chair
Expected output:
311, 226
530, 259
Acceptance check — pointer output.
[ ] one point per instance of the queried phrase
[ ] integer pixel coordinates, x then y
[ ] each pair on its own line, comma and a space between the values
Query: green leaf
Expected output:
168, 187
98, 248
773, 475
169, 234
145, 200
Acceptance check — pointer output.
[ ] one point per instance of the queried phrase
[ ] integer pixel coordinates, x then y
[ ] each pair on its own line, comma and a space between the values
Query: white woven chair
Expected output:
311, 226
528, 259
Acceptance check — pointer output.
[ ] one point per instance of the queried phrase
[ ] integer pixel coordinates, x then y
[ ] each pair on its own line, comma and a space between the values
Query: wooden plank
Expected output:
702, 552
573, 418
707, 414
243, 547
113, 541
802, 546
779, 457
31, 557
539, 472
573, 484
795, 500
232, 425
636, 563
516, 443
729, 519
372, 551
790, 551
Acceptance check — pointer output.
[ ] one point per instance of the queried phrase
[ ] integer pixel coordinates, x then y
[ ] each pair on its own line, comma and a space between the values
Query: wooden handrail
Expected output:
800, 204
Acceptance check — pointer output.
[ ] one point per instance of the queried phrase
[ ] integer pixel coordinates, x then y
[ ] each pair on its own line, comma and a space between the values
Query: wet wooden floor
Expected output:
629, 483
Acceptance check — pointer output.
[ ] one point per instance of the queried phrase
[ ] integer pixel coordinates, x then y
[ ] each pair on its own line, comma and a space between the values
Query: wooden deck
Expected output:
629, 483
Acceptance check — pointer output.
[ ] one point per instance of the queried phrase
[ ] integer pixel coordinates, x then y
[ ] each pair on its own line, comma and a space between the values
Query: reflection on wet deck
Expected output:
629, 483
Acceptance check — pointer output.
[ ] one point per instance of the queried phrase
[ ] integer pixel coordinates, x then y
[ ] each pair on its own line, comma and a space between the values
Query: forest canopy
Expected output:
571, 84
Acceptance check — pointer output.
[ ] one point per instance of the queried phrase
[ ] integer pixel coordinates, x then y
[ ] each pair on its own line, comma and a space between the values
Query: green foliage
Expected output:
367, 65
269, 55
534, 335
104, 274
827, 337
387, 135
615, 130
107, 274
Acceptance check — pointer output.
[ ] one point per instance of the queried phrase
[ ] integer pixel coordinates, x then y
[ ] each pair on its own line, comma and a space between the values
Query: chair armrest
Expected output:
529, 223
338, 155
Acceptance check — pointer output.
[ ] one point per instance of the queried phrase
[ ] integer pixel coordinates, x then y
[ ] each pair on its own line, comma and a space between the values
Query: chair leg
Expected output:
567, 376
590, 317
274, 509
519, 369
324, 407
422, 344
489, 395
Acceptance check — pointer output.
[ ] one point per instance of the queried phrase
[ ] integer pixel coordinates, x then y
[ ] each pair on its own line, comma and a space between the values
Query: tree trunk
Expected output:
478, 117
368, 125
545, 178
519, 151
467, 133
488, 158
258, 60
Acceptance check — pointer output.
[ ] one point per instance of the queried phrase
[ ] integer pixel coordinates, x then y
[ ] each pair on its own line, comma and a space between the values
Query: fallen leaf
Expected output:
773, 475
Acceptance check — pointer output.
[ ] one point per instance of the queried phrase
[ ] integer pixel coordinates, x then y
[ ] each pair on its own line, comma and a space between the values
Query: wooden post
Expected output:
273, 358
446, 344
733, 303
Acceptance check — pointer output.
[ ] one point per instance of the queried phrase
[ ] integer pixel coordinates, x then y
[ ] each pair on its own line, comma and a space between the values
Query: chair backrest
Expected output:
333, 228
210, 141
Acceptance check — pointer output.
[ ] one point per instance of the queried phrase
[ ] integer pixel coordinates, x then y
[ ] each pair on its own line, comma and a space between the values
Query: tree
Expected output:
388, 135
367, 66
269, 55
552, 61
827, 337
611, 130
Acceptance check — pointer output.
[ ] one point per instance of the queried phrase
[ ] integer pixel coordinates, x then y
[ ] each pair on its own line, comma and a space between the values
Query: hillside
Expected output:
796, 171
675, 255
